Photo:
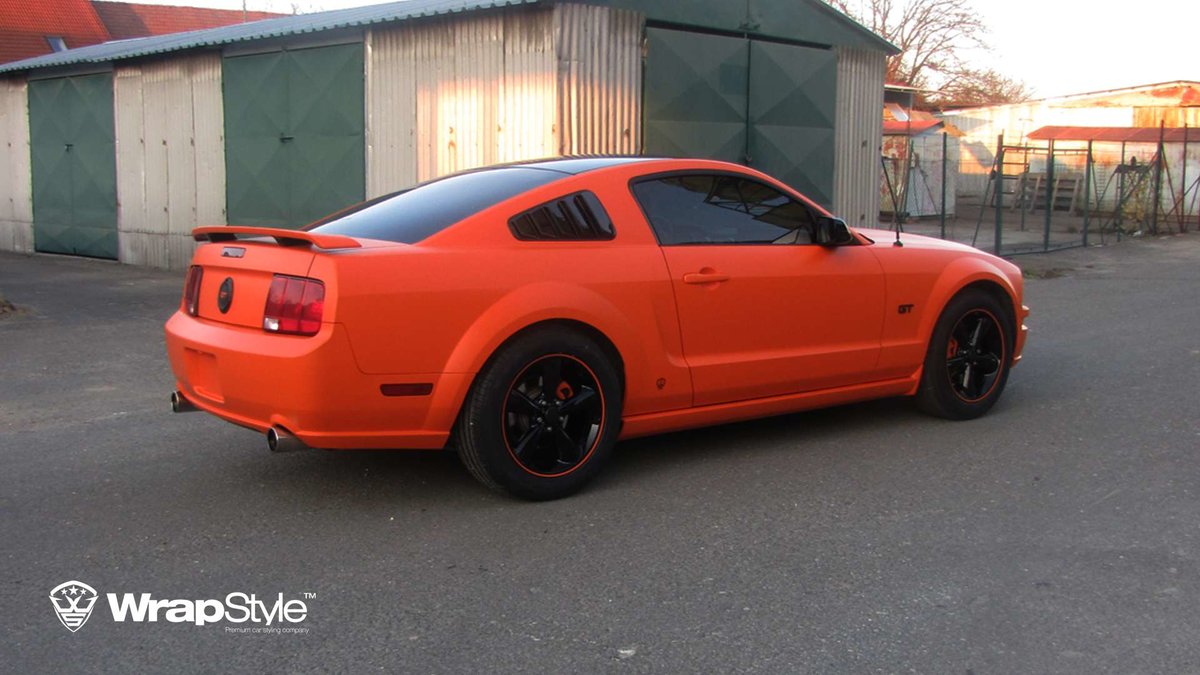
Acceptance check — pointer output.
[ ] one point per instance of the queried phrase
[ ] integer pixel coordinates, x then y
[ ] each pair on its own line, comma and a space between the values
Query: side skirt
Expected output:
690, 418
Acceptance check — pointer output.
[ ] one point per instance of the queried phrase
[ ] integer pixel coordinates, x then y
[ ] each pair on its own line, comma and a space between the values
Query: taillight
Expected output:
294, 306
191, 290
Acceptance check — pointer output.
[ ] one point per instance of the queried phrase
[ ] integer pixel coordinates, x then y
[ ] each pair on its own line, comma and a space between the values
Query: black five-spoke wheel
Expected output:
543, 415
553, 415
974, 355
969, 355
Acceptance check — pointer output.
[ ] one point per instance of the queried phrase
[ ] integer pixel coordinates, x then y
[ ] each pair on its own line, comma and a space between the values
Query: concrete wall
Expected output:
16, 187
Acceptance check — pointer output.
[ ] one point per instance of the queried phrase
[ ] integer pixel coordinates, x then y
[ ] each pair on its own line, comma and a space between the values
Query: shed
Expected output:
920, 155
118, 150
1170, 104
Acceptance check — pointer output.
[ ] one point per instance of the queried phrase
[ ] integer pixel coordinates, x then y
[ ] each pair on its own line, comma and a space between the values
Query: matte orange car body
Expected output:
702, 334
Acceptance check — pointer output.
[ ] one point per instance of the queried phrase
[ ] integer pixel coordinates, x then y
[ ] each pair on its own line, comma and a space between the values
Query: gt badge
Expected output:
906, 309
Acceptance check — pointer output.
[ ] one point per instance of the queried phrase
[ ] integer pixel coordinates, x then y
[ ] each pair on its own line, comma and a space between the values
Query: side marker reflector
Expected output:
418, 389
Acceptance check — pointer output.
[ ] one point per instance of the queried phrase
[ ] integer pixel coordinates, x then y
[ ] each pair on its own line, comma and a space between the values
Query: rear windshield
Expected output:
410, 216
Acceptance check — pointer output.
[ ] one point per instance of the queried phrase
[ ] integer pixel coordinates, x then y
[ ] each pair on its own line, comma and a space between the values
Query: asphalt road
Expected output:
1057, 534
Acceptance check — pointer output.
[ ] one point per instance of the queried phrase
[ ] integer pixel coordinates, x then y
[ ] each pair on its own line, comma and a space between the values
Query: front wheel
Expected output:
543, 415
969, 356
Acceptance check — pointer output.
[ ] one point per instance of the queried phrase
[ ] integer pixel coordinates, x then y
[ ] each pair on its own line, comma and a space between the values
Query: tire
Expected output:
969, 357
522, 433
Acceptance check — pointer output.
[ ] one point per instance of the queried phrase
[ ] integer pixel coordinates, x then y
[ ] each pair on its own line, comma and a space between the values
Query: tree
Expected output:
972, 87
933, 36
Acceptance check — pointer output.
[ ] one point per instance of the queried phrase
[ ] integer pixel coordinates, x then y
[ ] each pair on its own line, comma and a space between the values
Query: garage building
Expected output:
118, 150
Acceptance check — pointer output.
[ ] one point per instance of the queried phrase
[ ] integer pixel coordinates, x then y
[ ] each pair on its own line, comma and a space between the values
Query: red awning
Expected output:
1115, 134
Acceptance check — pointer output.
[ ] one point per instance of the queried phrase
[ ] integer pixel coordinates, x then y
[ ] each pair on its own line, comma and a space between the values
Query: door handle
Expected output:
705, 278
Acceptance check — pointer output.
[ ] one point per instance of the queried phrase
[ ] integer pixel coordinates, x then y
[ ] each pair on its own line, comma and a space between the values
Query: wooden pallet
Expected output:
1064, 195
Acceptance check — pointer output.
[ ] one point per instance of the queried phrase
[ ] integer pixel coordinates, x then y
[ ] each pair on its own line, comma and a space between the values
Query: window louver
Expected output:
576, 217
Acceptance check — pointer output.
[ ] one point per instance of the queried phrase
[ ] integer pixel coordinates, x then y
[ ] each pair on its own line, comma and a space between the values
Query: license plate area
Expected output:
202, 374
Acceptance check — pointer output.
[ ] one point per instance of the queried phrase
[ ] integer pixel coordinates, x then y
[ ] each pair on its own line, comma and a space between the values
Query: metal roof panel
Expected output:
258, 30
1116, 134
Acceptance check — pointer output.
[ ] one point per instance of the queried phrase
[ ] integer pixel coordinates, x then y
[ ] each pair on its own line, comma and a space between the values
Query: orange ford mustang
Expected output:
531, 315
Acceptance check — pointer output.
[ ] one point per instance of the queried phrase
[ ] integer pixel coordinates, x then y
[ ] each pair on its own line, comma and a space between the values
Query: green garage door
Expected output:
695, 95
792, 96
74, 166
764, 104
294, 135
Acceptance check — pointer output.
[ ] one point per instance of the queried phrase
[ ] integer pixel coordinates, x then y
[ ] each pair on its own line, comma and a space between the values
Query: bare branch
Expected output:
932, 36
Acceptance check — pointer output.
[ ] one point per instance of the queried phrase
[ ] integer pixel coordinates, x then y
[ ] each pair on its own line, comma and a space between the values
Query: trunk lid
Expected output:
245, 268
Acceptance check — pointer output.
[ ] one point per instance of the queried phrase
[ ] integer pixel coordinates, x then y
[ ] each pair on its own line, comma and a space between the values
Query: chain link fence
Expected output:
1043, 196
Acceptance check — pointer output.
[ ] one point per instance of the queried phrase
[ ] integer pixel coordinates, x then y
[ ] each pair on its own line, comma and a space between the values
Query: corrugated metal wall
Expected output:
599, 79
16, 187
442, 95
170, 157
1171, 117
458, 93
858, 134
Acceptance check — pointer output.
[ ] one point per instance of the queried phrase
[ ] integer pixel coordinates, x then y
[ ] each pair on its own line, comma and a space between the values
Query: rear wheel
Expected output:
970, 352
543, 415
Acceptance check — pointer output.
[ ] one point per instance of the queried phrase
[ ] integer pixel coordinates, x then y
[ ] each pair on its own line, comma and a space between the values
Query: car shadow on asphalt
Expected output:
364, 478
755, 440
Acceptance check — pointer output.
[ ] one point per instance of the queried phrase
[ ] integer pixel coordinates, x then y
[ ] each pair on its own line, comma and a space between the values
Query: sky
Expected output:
1058, 47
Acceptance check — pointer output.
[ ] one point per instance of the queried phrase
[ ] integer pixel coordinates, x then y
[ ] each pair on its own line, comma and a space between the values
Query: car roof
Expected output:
577, 165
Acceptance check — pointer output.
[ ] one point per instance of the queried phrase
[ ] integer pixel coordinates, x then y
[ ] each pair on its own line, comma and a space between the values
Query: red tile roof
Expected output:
25, 25
130, 20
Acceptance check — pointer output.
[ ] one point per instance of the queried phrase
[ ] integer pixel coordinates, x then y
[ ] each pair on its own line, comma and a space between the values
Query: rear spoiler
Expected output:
220, 233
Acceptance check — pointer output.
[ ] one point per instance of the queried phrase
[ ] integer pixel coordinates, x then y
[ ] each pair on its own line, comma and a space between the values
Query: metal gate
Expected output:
294, 134
695, 99
74, 171
764, 104
792, 95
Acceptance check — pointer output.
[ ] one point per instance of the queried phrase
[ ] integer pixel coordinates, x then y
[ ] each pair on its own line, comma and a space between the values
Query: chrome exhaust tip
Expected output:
279, 440
180, 404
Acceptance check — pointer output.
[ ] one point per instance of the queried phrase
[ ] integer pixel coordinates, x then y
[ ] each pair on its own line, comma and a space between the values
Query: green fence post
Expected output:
998, 242
945, 155
1121, 194
1158, 171
1183, 200
1087, 193
1049, 197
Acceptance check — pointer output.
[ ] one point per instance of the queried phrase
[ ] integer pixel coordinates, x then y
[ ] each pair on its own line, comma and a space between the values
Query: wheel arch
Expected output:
516, 315
595, 334
967, 275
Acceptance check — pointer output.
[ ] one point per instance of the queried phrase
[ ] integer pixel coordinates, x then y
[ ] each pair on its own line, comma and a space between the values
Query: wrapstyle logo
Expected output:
73, 603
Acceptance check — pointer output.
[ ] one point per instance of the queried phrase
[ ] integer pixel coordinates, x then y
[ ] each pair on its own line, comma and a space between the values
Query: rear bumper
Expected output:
310, 386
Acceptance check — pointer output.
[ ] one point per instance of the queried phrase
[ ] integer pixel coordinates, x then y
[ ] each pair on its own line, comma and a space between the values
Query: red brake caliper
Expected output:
564, 391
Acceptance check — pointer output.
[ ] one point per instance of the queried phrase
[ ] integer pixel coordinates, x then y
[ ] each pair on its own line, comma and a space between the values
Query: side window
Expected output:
722, 209
575, 217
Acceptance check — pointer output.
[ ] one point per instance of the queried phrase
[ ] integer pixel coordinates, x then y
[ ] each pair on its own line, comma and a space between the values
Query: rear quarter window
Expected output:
413, 215
576, 217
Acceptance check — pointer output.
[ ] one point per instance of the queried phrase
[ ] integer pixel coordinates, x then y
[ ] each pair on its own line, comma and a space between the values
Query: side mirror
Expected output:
832, 231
